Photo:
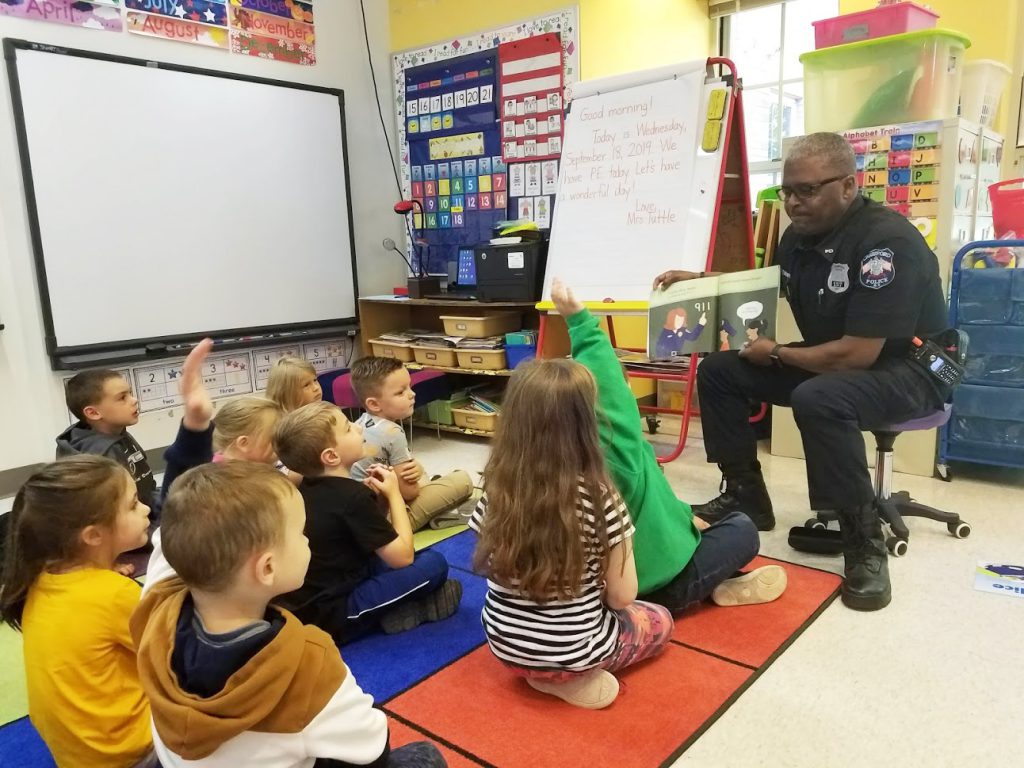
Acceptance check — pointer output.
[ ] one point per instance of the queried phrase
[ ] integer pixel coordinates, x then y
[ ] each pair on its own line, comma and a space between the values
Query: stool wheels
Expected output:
960, 530
815, 524
652, 424
896, 546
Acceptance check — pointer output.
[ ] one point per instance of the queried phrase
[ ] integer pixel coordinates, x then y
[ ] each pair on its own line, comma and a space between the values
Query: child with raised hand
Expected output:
384, 386
293, 384
680, 560
364, 572
69, 523
555, 544
233, 680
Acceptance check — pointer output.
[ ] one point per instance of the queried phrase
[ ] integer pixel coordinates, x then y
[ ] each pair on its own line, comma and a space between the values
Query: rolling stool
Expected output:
893, 507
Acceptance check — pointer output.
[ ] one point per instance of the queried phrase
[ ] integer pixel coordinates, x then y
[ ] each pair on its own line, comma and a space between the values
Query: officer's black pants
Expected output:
830, 409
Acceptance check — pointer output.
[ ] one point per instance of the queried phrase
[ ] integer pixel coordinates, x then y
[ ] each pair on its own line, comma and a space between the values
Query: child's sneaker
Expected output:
591, 690
458, 516
434, 607
761, 585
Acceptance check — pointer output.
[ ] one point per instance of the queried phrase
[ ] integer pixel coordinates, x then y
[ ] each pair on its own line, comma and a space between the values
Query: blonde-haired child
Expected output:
244, 430
293, 384
70, 521
561, 605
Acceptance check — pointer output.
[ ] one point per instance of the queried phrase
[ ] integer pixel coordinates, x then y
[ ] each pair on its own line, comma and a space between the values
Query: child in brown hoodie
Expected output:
231, 679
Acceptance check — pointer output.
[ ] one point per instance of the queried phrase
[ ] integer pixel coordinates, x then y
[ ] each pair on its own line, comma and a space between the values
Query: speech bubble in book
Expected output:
750, 310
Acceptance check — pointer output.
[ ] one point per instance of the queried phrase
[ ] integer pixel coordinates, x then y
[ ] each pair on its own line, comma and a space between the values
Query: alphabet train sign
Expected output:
281, 30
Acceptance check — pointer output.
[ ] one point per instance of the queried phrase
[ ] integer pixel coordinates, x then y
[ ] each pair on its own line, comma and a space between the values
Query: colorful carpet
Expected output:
440, 682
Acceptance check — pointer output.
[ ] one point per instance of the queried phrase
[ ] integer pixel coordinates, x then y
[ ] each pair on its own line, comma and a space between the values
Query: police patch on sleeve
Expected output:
877, 269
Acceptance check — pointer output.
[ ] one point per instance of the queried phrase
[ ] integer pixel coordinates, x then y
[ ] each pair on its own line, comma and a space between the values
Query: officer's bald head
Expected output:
830, 150
819, 182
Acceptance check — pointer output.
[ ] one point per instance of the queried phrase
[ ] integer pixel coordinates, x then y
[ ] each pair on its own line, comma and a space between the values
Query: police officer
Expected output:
862, 283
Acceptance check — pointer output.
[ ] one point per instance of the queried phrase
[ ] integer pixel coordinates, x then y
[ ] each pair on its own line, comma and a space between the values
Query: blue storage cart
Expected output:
987, 423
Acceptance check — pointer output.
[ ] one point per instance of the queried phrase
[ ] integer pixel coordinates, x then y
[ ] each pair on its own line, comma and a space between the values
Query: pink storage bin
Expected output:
867, 25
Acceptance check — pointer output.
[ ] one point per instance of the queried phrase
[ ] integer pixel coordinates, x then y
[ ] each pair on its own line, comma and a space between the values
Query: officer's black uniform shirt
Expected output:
873, 276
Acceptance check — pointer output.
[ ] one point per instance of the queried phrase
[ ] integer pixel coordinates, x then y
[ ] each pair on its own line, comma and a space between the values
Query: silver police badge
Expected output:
877, 269
839, 278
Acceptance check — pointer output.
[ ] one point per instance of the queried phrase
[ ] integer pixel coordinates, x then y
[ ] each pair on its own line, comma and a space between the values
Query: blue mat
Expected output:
21, 747
458, 551
385, 665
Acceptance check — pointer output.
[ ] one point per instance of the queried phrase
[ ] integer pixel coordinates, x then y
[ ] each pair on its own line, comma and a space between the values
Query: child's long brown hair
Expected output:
50, 512
545, 448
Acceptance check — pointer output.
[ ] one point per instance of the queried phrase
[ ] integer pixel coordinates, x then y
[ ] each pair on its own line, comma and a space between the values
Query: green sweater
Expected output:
665, 534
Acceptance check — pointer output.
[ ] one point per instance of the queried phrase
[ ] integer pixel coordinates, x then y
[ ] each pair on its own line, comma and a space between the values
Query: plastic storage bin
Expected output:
988, 424
898, 79
472, 419
436, 356
403, 352
981, 88
520, 353
877, 22
482, 359
479, 327
1007, 207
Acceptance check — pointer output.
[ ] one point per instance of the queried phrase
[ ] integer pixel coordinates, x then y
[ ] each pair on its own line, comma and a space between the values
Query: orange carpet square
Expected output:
482, 708
751, 634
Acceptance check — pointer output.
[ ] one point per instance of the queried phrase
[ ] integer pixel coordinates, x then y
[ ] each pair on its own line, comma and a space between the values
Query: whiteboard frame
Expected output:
123, 350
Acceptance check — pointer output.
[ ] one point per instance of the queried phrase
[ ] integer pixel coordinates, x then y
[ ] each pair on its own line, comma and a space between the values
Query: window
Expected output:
766, 43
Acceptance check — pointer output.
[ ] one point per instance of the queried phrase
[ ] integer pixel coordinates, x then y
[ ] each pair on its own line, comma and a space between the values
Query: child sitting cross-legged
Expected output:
232, 680
364, 572
680, 559
555, 544
384, 386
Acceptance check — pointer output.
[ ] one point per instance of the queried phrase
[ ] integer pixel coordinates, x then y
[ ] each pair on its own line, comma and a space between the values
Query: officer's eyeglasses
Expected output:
806, 191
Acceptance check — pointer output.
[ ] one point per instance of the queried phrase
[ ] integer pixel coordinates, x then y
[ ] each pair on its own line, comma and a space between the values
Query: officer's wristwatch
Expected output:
774, 356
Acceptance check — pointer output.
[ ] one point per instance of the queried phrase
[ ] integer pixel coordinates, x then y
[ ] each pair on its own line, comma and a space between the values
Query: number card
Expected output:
265, 359
328, 355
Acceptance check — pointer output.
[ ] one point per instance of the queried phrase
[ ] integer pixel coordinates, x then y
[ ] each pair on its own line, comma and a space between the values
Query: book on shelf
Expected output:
713, 313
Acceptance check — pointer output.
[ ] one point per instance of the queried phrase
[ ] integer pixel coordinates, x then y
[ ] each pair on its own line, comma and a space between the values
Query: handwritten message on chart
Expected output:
625, 184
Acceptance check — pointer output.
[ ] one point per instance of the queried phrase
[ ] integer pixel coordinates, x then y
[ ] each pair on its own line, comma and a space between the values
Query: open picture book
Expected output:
713, 313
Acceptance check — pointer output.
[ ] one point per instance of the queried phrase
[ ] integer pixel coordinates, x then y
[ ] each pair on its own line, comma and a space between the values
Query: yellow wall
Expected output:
615, 35
992, 26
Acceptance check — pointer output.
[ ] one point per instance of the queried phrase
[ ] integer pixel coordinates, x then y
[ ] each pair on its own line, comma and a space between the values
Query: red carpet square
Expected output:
750, 634
477, 705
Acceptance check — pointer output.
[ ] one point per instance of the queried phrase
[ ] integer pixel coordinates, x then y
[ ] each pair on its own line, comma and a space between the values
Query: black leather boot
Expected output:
866, 586
742, 490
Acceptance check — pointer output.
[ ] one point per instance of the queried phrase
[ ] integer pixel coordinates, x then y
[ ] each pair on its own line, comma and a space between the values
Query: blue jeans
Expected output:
724, 548
388, 587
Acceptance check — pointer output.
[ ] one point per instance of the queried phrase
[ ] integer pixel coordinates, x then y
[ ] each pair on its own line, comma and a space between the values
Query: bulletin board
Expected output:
457, 52
457, 172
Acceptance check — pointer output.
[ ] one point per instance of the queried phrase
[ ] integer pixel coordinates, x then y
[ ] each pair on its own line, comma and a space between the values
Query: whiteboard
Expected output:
168, 202
636, 193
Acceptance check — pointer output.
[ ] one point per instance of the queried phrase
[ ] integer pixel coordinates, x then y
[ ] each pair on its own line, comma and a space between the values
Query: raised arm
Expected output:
619, 427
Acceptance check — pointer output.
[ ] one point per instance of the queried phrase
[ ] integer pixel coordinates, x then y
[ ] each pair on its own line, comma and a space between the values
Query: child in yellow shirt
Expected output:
70, 522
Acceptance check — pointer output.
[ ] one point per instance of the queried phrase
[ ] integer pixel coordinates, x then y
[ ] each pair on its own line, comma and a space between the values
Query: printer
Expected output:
510, 271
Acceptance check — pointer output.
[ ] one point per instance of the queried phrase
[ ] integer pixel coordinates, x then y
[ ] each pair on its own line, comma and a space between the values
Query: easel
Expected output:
731, 248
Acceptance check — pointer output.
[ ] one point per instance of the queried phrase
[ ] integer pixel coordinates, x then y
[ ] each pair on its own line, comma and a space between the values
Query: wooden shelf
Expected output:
456, 369
452, 428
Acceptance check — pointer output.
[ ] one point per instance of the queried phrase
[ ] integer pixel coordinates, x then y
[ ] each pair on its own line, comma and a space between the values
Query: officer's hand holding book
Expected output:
759, 352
